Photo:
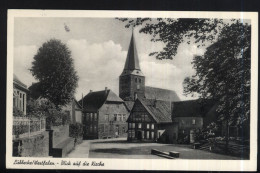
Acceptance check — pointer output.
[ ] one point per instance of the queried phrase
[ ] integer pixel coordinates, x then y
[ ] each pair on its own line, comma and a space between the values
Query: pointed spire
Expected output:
132, 60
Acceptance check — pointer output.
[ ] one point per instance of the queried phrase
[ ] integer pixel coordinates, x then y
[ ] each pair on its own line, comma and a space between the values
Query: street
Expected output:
121, 148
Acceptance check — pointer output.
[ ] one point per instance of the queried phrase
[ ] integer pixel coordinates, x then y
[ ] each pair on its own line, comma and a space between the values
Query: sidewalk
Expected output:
80, 151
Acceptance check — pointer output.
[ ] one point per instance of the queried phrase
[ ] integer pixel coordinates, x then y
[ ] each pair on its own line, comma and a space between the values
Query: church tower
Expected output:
132, 80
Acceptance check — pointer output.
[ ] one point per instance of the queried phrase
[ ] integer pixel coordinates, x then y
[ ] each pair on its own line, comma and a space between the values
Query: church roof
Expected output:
93, 101
132, 61
160, 94
160, 110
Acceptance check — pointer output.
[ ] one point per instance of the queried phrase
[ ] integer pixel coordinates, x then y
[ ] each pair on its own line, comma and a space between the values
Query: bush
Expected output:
58, 118
17, 112
76, 131
183, 138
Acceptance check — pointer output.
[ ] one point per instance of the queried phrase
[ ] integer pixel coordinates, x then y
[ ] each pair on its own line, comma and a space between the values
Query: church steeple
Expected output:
132, 61
132, 80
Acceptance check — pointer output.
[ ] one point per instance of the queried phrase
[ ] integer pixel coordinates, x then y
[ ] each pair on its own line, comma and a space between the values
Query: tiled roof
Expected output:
160, 94
112, 97
192, 108
94, 100
159, 110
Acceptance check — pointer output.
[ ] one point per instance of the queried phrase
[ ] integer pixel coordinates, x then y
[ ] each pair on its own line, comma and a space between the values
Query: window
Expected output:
95, 128
133, 125
193, 121
135, 80
138, 86
90, 129
95, 116
87, 117
91, 117
147, 135
106, 117
148, 126
115, 117
152, 126
123, 129
119, 117
139, 80
139, 125
124, 117
152, 135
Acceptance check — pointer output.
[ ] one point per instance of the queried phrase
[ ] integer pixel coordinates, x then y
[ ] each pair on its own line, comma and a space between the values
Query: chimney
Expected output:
90, 91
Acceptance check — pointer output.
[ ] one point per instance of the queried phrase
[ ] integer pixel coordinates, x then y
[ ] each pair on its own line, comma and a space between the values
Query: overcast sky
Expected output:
99, 48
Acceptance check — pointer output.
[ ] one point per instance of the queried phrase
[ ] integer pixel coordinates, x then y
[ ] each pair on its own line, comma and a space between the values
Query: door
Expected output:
117, 131
139, 135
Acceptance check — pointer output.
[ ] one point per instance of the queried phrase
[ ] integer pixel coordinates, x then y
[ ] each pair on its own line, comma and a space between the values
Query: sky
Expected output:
99, 47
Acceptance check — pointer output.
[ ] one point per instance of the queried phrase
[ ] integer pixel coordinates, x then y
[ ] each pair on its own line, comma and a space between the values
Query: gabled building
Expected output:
20, 92
193, 114
150, 120
74, 110
104, 115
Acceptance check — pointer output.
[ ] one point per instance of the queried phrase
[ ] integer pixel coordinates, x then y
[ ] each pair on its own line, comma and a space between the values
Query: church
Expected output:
150, 108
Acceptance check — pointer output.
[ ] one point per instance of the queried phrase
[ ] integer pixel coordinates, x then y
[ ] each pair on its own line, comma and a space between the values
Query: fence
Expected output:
26, 127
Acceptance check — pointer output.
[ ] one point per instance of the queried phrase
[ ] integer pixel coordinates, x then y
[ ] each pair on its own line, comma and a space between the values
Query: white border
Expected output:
139, 164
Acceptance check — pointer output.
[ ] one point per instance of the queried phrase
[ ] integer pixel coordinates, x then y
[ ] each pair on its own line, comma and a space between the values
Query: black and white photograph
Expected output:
132, 90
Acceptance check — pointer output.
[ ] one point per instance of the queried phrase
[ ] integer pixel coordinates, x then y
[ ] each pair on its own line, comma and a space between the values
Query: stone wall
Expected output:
33, 146
59, 134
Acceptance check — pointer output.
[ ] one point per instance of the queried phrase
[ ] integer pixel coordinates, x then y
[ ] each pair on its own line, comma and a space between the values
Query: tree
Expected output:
53, 67
223, 74
173, 32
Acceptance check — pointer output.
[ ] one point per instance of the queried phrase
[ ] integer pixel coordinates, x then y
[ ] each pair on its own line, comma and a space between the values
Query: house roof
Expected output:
18, 83
132, 61
129, 105
160, 110
160, 94
192, 108
77, 103
94, 100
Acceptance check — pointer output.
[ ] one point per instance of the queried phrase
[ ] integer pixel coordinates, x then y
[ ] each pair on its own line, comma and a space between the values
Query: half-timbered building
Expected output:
150, 120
